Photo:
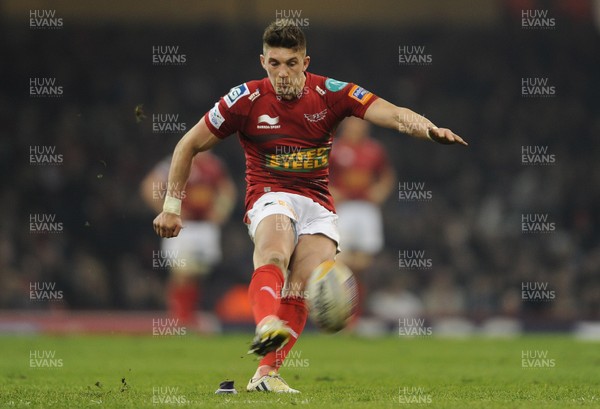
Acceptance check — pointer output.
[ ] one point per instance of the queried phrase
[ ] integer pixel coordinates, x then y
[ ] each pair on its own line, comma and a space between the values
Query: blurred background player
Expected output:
361, 179
210, 196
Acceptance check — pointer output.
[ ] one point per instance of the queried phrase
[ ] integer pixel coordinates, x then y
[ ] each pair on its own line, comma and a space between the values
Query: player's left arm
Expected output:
387, 115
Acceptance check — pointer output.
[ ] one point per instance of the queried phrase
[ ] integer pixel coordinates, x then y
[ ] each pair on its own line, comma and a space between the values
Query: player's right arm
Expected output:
387, 115
198, 139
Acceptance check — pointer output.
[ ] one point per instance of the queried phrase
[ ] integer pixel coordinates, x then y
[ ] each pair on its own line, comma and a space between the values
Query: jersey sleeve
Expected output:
348, 99
228, 114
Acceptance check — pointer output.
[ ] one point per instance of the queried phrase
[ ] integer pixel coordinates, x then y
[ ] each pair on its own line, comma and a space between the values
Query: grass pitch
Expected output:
331, 371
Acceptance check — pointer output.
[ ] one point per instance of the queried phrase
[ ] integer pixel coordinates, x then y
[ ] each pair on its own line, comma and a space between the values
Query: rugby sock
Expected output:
182, 301
264, 291
292, 310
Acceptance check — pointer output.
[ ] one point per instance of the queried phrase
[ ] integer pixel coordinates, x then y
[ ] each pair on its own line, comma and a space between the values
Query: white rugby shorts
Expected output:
361, 226
308, 216
197, 247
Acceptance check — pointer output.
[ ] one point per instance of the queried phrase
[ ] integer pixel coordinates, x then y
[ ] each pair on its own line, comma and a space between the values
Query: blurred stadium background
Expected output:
101, 256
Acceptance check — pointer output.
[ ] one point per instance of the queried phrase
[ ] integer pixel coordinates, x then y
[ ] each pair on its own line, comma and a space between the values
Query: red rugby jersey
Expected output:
287, 143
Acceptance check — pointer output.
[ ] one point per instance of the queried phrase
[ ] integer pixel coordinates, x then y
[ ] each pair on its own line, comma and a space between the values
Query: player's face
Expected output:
285, 69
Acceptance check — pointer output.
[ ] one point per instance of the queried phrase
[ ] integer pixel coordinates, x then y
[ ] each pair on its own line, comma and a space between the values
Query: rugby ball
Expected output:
331, 295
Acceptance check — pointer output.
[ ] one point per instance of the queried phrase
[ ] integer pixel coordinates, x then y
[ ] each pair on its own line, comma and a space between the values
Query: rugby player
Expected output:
210, 197
285, 123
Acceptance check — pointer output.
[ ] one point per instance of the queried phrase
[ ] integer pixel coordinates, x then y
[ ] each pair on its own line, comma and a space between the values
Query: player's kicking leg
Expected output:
274, 242
310, 251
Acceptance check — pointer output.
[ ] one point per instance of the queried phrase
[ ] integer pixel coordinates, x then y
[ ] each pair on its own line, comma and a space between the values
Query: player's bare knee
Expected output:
277, 258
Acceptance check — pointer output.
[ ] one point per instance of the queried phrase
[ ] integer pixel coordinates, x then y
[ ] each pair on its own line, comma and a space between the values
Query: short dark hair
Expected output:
282, 33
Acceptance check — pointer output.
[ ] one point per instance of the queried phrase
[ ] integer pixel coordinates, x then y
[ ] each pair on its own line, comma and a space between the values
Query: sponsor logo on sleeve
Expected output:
254, 95
360, 94
334, 85
215, 117
235, 94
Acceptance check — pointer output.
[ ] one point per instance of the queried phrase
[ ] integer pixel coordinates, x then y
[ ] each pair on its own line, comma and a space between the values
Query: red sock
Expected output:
182, 301
294, 311
264, 291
